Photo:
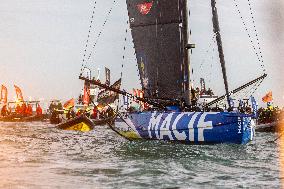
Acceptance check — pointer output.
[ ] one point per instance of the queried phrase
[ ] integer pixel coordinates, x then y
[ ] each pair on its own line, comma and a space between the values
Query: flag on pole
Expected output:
107, 73
19, 93
268, 97
145, 8
86, 97
4, 94
140, 94
254, 106
68, 104
202, 86
232, 103
125, 100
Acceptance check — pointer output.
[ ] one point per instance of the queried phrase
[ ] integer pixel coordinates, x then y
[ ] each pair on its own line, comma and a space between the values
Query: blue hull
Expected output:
187, 127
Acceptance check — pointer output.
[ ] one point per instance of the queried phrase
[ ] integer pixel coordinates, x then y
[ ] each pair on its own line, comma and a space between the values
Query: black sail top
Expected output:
159, 41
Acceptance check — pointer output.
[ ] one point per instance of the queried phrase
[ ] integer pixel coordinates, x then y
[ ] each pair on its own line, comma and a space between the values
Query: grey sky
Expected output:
42, 43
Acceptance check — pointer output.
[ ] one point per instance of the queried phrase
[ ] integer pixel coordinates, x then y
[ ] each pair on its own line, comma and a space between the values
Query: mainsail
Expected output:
159, 31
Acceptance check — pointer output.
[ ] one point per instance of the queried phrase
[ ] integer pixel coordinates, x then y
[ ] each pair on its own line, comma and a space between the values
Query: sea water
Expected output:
38, 155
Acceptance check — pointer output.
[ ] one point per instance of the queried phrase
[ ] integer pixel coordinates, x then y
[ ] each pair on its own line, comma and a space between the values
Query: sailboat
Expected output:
160, 34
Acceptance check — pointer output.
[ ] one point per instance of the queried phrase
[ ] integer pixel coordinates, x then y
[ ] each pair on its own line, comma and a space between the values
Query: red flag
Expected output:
86, 97
145, 8
134, 92
268, 97
4, 94
69, 103
19, 93
140, 94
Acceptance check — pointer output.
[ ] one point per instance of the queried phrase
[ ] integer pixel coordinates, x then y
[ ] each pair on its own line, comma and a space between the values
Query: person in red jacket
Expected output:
38, 110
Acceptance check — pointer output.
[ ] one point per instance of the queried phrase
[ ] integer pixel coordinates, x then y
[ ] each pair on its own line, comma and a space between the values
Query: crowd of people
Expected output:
21, 109
60, 113
270, 115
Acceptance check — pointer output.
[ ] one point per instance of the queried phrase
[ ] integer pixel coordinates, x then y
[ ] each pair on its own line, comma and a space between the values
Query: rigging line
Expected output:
254, 87
246, 29
89, 33
211, 66
256, 34
124, 50
207, 51
123, 58
213, 40
257, 86
237, 90
244, 93
248, 91
102, 29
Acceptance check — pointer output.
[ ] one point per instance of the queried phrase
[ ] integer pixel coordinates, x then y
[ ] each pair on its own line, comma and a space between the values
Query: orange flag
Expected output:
86, 97
4, 94
19, 93
69, 103
268, 97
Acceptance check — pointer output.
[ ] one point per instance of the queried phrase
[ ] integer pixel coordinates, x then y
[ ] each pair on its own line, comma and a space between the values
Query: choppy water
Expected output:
40, 156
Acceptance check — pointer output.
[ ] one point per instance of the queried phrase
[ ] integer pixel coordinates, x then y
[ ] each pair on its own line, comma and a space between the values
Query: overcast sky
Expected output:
42, 44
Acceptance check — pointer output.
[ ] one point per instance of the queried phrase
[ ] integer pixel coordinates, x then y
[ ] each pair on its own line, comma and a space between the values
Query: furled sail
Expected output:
159, 33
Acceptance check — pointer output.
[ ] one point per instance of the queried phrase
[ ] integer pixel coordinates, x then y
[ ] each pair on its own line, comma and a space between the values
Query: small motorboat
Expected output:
12, 118
80, 123
268, 127
270, 120
32, 118
22, 118
275, 126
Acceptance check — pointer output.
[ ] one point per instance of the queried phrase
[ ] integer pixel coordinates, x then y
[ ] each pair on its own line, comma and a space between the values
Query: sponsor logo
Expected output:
161, 127
240, 125
145, 8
